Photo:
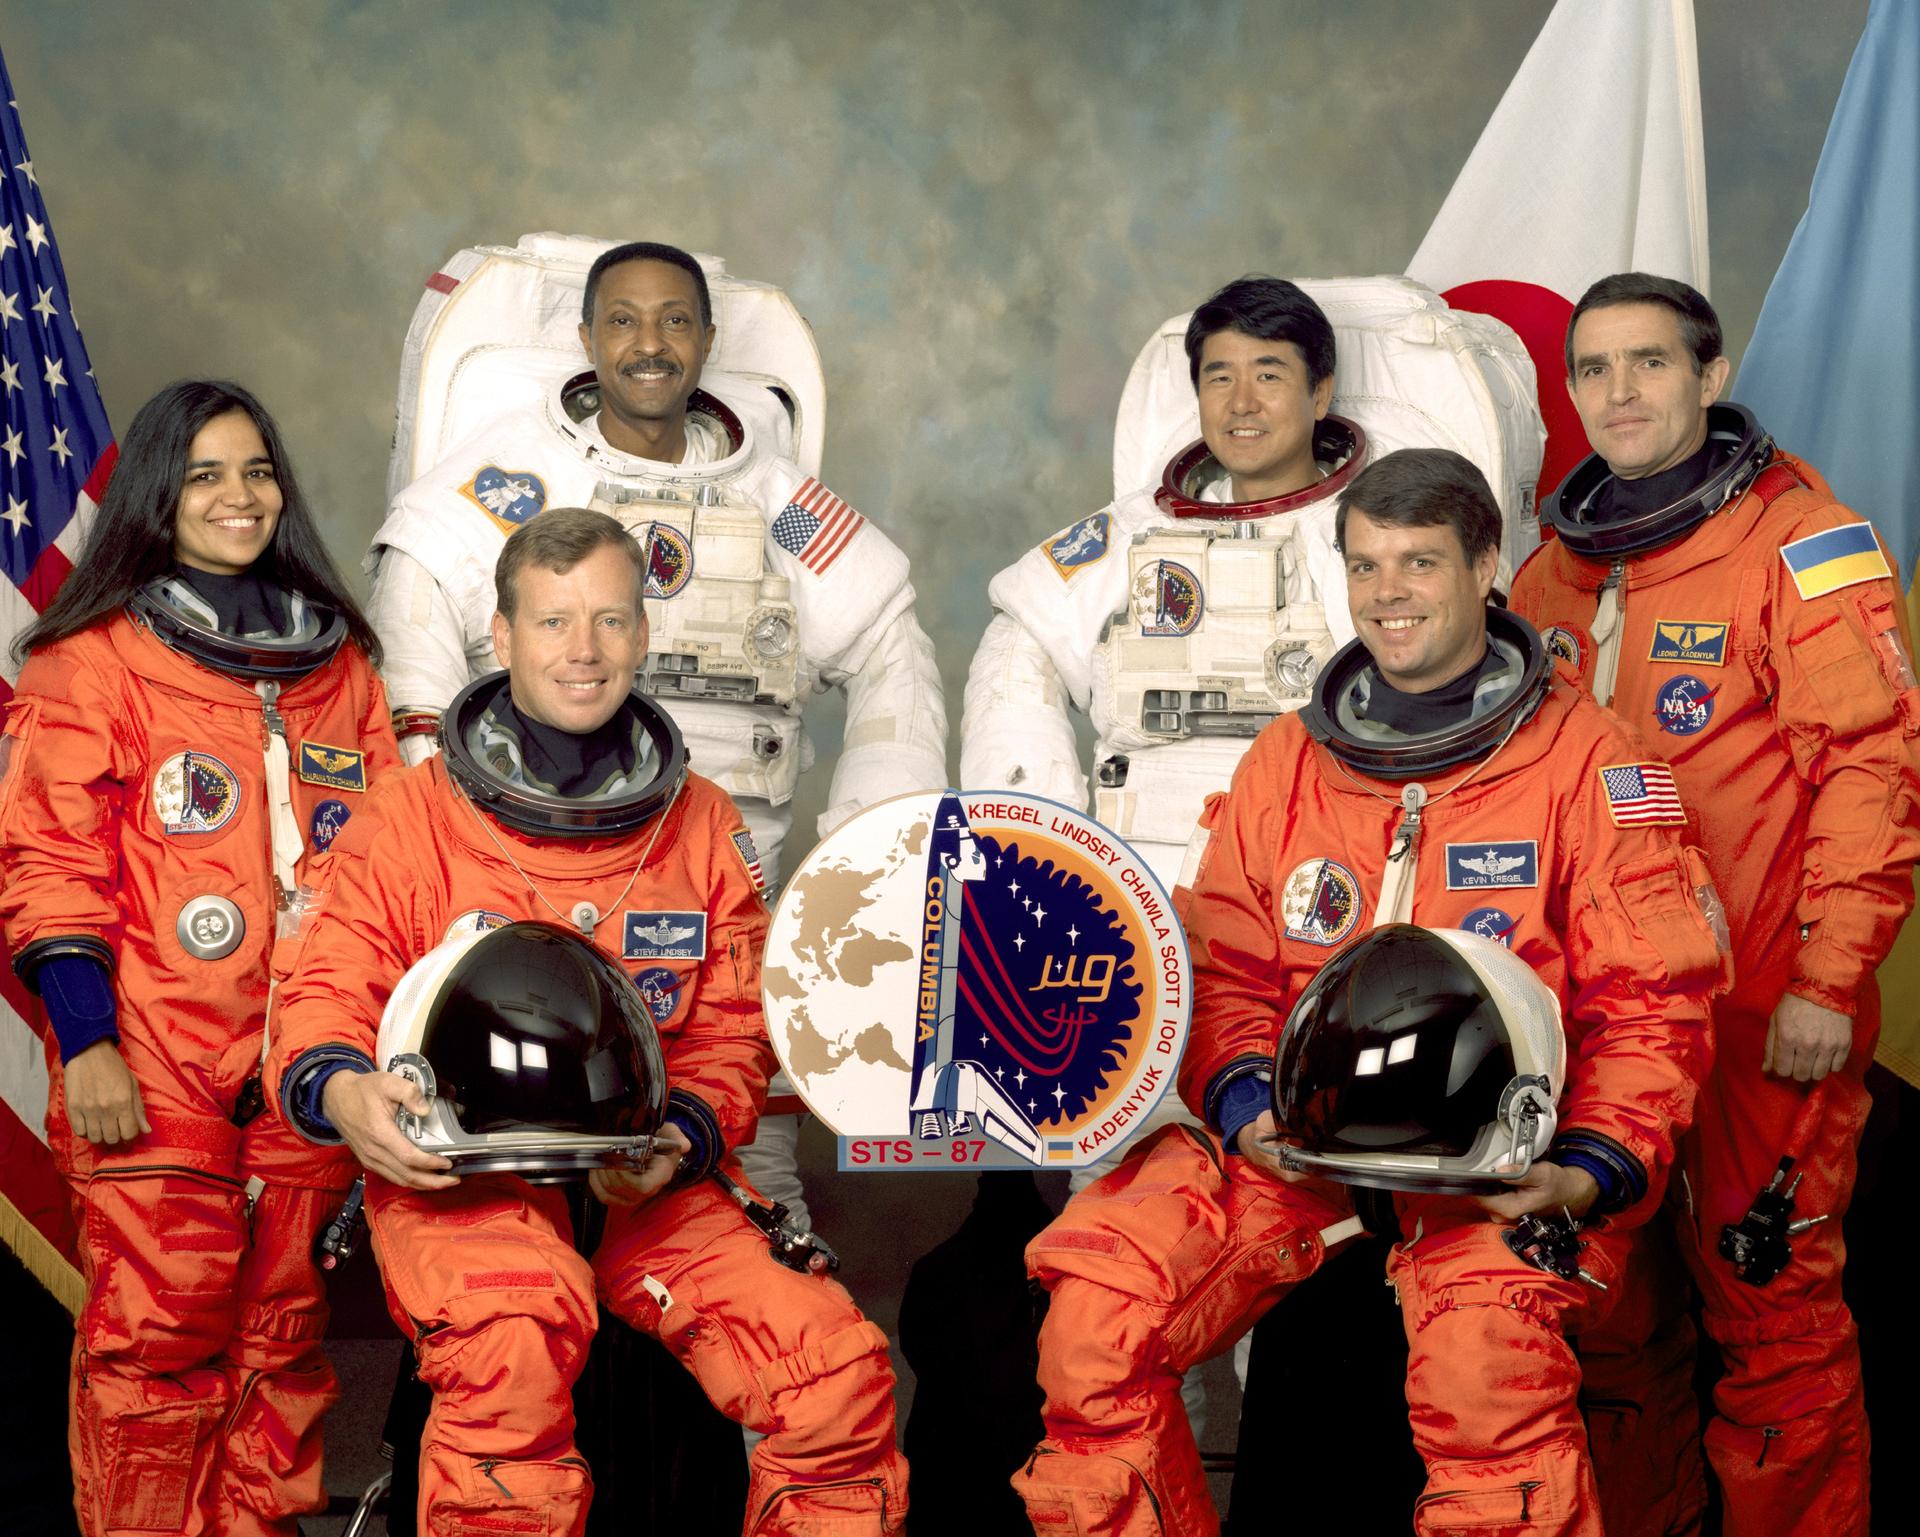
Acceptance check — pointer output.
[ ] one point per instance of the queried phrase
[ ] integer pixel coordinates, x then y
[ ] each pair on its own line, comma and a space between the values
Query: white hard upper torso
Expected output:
454, 519
1067, 591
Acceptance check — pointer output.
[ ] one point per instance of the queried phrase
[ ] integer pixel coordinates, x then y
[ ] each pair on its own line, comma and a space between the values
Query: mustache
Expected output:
650, 365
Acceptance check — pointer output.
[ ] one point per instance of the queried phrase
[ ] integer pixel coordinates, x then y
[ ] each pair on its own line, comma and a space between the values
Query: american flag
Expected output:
750, 857
58, 452
1641, 793
815, 526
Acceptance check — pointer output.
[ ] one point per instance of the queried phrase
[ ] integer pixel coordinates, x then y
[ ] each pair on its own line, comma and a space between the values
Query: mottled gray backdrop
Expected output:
982, 208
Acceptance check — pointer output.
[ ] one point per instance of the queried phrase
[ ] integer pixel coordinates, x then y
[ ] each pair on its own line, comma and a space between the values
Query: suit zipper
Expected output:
1607, 645
1524, 1489
839, 1483
240, 1400
141, 1170
1403, 860
487, 1465
1146, 1489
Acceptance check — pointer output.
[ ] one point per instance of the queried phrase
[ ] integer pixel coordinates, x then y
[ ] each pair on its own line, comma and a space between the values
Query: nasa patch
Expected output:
1689, 640
669, 560
194, 792
328, 818
509, 497
1568, 644
1080, 546
660, 989
338, 768
1321, 902
1471, 866
475, 920
1491, 923
663, 936
1684, 705
1167, 599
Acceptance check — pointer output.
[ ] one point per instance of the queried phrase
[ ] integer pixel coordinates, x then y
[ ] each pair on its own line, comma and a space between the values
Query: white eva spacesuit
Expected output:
762, 588
1181, 623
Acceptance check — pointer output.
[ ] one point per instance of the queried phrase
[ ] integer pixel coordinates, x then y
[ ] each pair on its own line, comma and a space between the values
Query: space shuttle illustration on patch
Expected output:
952, 1091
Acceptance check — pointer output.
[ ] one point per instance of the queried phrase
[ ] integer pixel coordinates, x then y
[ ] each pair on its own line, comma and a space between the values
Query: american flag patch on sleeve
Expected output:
1642, 794
815, 526
750, 857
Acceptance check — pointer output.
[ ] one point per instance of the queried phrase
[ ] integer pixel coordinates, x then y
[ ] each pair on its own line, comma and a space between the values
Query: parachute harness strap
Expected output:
284, 826
585, 916
1609, 615
1395, 904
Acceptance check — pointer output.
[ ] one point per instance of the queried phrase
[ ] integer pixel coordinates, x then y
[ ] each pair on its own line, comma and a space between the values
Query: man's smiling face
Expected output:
1419, 604
1640, 396
1257, 413
647, 341
575, 639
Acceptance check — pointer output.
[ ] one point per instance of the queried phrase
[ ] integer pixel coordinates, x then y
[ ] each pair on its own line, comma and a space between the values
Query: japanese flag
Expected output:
1591, 164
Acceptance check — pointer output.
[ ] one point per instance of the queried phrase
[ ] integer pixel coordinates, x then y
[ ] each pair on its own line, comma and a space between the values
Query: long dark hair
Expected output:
131, 541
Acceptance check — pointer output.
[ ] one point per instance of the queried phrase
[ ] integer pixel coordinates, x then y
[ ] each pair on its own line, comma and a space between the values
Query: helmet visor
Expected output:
1394, 1047
534, 1028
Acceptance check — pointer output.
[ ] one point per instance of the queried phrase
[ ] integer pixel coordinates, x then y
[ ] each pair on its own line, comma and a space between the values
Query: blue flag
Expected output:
1833, 371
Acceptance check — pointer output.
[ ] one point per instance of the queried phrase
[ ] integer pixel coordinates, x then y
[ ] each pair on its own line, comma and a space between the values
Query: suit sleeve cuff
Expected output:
305, 1081
1622, 1178
77, 990
701, 1127
1803, 986
1260, 1067
1241, 1104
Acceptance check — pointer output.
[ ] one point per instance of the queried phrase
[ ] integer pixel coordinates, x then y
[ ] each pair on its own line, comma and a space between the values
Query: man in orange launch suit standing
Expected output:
1710, 589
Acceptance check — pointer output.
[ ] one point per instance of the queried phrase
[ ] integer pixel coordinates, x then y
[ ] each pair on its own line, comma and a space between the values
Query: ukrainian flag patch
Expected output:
1836, 558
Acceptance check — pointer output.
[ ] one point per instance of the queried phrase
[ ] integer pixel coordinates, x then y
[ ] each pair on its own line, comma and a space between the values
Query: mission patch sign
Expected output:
977, 981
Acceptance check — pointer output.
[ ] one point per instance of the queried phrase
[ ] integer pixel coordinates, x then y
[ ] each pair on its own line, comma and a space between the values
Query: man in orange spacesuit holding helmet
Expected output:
560, 795
1442, 775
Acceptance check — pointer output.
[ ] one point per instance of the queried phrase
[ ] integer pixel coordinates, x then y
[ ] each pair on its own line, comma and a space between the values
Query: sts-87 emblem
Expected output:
669, 560
194, 792
1167, 599
967, 980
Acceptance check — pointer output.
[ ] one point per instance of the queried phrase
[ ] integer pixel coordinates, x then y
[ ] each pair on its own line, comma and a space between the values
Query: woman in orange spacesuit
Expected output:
197, 718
